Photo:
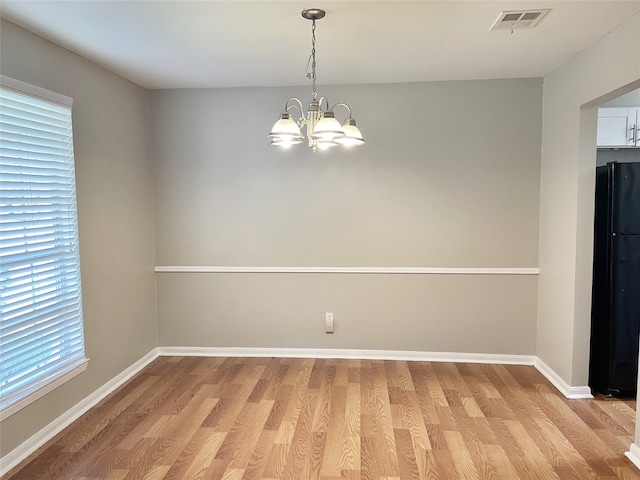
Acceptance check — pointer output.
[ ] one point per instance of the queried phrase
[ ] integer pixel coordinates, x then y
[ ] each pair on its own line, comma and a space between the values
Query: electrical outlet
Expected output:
328, 322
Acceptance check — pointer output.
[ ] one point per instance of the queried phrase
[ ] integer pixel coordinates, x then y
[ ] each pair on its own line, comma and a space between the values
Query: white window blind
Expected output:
41, 330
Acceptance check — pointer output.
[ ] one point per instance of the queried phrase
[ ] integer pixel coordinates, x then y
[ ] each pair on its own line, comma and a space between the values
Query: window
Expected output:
41, 332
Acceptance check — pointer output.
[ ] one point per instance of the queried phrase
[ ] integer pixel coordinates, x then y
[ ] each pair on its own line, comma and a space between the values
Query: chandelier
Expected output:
322, 129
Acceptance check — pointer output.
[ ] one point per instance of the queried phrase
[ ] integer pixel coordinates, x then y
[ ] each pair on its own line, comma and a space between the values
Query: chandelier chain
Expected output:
313, 58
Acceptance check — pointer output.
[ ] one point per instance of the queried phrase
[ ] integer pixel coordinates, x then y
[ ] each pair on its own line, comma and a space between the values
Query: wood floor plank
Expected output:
337, 437
279, 371
406, 454
321, 415
276, 461
426, 465
353, 412
564, 447
425, 400
197, 457
537, 464
330, 419
519, 457
259, 455
503, 465
91, 424
140, 467
248, 431
157, 472
300, 456
445, 464
463, 462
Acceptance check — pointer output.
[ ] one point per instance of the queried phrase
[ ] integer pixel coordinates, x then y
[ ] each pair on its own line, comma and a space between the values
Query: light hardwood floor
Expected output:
262, 418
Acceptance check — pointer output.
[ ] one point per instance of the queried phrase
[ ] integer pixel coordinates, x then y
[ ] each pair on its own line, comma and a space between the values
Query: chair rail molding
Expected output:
351, 270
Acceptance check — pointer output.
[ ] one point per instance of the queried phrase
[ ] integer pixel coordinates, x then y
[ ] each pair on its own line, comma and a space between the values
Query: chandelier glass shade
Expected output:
323, 131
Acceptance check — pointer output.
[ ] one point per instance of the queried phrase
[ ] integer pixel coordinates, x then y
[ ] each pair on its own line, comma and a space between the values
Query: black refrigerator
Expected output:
615, 308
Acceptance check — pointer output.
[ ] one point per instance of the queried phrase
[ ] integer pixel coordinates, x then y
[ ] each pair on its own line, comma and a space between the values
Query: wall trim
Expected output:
348, 354
557, 381
33, 443
352, 270
71, 371
579, 392
634, 455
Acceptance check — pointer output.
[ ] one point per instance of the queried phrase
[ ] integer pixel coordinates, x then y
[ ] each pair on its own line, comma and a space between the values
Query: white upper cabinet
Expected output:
618, 127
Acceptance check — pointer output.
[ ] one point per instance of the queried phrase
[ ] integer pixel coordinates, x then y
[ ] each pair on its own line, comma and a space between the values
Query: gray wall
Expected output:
114, 213
606, 155
448, 178
571, 96
631, 99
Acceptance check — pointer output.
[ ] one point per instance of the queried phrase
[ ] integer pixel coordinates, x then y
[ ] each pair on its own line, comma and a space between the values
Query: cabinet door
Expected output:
614, 127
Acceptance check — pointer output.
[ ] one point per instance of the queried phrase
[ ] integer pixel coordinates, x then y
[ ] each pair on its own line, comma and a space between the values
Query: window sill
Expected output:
62, 377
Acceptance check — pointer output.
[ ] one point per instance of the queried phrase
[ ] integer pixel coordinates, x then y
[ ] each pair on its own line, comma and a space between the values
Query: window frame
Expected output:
73, 367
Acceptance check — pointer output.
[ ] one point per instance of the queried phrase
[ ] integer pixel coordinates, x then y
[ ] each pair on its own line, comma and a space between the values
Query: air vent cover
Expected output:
518, 19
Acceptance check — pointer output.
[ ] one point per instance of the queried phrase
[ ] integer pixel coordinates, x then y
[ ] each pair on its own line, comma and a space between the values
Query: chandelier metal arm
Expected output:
297, 104
341, 104
326, 101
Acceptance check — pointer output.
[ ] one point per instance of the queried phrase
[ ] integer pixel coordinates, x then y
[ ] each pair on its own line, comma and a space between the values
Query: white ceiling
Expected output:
185, 44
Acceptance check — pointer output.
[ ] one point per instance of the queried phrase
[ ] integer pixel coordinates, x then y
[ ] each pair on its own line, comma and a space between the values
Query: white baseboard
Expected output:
34, 442
29, 446
634, 455
557, 381
351, 354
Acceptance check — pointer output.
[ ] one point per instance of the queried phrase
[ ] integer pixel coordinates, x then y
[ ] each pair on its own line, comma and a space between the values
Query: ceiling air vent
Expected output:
518, 19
